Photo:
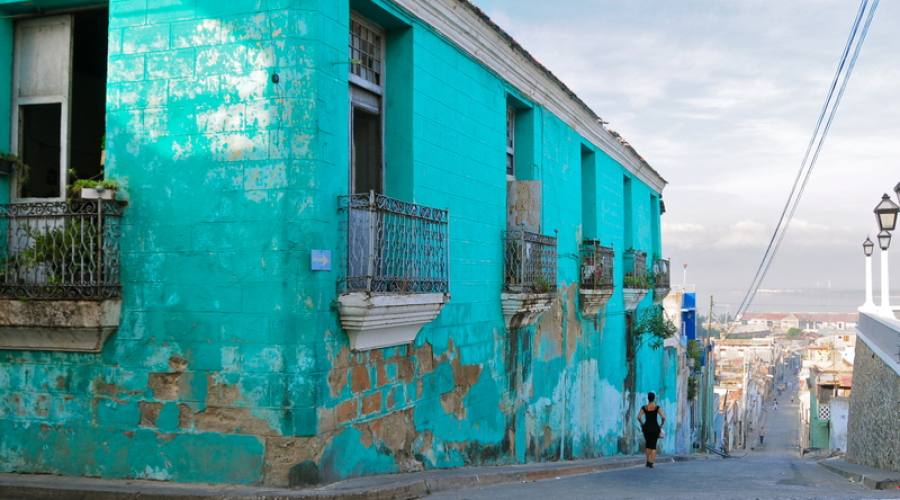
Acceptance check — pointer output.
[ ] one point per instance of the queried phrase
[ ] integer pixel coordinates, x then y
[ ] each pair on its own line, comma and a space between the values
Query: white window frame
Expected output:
367, 86
62, 100
362, 82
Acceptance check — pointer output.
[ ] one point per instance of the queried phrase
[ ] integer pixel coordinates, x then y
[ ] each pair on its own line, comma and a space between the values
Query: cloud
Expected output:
721, 98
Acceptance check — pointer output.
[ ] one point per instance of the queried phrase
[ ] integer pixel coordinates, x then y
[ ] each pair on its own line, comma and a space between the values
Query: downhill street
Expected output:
774, 471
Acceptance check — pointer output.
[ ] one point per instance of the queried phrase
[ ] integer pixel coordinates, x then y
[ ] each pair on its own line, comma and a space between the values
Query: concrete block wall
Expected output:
230, 364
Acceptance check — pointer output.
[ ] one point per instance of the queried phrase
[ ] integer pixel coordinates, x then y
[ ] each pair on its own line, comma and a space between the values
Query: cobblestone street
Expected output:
773, 471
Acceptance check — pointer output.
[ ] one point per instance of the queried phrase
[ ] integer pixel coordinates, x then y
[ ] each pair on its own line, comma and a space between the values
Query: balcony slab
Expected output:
524, 309
593, 300
633, 297
374, 321
58, 325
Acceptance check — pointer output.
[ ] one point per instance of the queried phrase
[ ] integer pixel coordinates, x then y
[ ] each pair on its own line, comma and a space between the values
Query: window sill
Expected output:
524, 309
57, 325
374, 321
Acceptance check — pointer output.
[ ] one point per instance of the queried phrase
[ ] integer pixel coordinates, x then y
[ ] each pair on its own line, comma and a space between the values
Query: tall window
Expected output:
366, 106
510, 143
59, 74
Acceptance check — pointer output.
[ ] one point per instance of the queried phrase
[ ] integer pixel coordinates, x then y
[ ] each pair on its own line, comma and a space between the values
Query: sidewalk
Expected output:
395, 486
877, 479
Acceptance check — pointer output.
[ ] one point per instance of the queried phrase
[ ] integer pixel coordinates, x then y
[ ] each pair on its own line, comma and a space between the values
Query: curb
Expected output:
45, 487
875, 483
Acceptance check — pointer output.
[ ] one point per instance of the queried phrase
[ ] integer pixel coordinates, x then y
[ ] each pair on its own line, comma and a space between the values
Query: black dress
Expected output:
650, 427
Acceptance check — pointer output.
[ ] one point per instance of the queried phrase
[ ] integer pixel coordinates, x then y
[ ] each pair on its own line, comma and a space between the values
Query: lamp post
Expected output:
884, 242
886, 214
868, 249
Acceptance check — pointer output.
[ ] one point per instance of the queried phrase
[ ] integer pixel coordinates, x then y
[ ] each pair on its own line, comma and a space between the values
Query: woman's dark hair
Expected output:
651, 397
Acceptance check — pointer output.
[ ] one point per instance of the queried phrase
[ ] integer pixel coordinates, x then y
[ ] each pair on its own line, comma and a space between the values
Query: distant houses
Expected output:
781, 322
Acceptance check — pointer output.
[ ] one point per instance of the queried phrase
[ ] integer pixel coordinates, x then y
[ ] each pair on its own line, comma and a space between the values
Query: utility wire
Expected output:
793, 201
751, 291
815, 157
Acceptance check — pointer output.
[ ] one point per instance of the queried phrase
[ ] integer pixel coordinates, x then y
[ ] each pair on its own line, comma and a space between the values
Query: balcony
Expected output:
662, 280
636, 282
529, 281
59, 274
596, 284
397, 269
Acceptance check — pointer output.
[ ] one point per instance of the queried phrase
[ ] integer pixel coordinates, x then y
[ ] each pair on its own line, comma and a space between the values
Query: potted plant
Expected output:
10, 163
92, 189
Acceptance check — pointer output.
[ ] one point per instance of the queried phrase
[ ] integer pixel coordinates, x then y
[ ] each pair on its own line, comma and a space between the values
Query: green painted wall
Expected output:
230, 364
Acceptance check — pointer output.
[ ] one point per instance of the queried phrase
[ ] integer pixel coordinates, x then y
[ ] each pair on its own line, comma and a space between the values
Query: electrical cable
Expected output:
803, 166
840, 95
794, 201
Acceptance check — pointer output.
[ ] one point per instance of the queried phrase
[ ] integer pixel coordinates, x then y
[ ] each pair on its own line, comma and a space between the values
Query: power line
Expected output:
815, 157
803, 165
793, 201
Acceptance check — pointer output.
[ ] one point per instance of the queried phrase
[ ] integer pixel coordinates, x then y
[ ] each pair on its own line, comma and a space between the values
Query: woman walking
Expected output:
651, 426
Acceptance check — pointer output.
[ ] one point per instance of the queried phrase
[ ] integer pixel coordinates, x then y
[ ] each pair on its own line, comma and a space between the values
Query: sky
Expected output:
721, 98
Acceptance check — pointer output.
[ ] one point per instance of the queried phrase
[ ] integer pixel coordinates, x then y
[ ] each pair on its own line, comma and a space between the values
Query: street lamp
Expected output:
868, 249
884, 242
897, 190
886, 214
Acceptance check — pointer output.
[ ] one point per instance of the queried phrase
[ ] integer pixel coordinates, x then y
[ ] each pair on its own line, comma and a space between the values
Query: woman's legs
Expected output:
651, 457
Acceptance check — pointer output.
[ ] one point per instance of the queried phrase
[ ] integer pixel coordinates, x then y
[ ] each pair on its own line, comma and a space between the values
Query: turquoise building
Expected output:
346, 237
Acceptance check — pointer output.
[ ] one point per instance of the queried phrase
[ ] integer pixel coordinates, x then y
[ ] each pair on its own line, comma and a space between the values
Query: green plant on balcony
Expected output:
542, 284
10, 163
636, 281
68, 250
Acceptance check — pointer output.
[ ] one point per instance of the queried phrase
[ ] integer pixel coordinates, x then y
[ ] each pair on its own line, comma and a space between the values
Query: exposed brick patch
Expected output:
221, 394
359, 379
405, 370
284, 453
231, 421
169, 386
371, 403
149, 413
346, 411
338, 376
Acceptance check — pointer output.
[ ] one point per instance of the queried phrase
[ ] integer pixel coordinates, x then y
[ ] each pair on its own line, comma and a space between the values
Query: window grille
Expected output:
824, 412
530, 265
662, 273
60, 250
395, 247
596, 265
366, 52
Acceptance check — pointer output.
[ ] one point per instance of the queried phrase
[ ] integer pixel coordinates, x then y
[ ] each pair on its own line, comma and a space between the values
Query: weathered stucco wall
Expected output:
230, 364
873, 436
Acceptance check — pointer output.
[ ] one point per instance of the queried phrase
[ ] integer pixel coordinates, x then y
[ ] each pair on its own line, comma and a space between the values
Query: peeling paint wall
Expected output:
230, 364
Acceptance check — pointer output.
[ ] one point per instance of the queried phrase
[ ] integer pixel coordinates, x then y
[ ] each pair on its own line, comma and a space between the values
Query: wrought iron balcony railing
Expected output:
596, 265
395, 247
662, 273
65, 250
530, 265
635, 263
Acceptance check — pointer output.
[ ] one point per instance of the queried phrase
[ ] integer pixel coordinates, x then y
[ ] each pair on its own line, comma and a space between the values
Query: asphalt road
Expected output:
772, 471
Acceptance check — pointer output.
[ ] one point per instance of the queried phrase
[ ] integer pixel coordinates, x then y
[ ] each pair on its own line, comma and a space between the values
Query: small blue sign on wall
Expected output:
320, 260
